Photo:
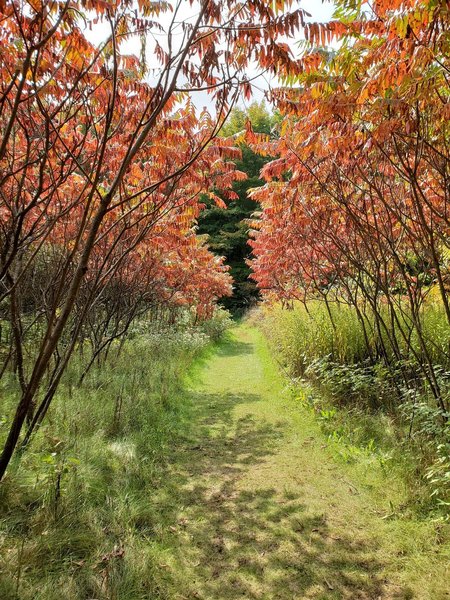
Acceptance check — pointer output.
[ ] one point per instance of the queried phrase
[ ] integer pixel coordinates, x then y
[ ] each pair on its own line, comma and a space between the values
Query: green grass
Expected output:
276, 513
222, 486
361, 401
77, 509
302, 336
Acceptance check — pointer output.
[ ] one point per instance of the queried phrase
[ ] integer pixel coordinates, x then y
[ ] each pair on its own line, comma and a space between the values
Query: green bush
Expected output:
215, 327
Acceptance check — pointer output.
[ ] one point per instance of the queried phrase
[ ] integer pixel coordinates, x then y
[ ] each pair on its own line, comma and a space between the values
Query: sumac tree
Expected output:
356, 204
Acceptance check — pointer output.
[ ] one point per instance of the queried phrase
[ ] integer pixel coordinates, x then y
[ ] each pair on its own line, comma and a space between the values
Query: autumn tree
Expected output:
355, 208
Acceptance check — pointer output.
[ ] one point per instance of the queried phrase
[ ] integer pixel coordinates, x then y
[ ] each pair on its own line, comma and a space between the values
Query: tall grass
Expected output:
79, 517
304, 334
360, 396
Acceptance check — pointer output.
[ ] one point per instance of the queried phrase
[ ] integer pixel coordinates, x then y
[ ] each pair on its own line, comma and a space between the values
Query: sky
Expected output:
320, 11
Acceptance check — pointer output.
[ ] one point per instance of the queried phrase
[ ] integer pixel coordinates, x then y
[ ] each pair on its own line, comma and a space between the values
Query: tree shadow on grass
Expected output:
231, 347
261, 544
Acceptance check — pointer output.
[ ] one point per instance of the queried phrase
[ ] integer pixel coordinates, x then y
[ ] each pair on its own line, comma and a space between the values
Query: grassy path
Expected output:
257, 508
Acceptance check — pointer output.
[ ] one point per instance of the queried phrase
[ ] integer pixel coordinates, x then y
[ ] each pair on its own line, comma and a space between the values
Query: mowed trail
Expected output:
261, 510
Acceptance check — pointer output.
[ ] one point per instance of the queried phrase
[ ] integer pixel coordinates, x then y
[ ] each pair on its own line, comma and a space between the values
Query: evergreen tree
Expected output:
227, 229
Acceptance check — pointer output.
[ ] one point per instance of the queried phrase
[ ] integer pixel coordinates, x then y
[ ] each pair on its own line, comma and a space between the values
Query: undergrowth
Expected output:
362, 404
77, 510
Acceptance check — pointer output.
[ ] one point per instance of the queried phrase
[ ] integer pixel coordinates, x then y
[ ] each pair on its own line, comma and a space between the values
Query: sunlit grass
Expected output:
220, 486
302, 335
363, 401
77, 508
